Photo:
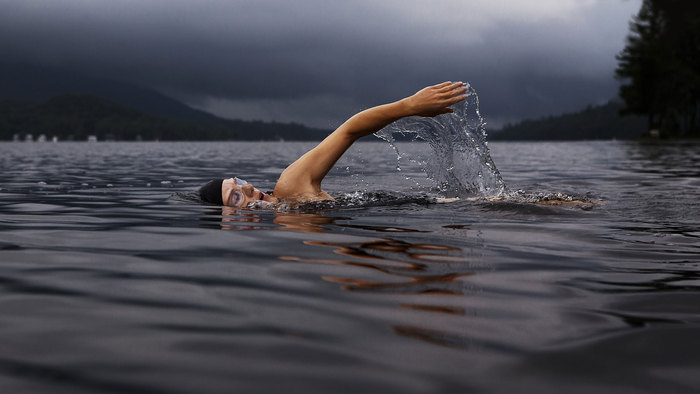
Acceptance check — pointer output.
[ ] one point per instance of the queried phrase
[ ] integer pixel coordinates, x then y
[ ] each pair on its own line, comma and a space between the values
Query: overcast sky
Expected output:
317, 62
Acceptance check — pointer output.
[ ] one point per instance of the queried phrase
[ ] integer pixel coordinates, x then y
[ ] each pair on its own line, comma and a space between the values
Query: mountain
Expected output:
77, 116
42, 100
38, 83
593, 123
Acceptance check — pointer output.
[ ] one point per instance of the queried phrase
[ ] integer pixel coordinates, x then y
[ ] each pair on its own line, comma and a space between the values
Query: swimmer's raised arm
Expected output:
302, 179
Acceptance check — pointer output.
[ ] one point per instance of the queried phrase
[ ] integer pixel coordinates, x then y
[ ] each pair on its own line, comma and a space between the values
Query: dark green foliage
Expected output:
593, 123
660, 67
77, 116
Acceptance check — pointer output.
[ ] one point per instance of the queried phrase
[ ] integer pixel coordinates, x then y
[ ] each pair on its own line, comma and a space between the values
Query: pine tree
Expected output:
660, 67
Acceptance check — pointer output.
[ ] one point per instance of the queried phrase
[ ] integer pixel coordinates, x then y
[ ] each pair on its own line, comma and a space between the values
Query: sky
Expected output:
317, 62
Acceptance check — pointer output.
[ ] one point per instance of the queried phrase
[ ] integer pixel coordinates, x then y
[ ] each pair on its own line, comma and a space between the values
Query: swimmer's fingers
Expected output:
445, 107
453, 90
456, 99
447, 86
447, 89
452, 98
442, 85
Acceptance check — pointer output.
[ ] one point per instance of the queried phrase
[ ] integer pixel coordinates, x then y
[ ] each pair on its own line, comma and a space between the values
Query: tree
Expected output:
660, 67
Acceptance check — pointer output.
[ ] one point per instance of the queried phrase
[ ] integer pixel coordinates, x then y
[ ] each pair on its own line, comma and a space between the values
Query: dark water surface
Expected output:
109, 283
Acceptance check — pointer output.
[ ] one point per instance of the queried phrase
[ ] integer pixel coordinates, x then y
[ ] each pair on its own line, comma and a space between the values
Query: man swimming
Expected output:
301, 181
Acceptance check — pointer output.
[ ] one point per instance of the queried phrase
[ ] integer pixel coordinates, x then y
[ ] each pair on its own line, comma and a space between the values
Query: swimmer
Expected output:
301, 181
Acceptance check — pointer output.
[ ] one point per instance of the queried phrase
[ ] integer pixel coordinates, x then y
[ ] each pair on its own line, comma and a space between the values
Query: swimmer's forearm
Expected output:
374, 119
430, 101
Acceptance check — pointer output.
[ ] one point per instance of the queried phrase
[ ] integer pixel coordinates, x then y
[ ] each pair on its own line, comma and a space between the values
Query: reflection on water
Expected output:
408, 268
307, 223
429, 270
236, 219
677, 159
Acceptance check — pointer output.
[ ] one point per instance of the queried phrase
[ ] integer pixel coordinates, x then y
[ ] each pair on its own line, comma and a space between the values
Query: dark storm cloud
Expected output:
316, 62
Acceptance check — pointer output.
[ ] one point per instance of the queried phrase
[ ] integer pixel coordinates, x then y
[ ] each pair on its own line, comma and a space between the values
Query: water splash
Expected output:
461, 163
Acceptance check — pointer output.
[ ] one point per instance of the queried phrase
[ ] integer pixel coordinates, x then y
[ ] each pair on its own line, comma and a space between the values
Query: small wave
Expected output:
521, 197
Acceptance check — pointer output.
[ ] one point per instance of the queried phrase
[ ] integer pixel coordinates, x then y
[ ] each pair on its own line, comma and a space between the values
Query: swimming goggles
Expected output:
236, 199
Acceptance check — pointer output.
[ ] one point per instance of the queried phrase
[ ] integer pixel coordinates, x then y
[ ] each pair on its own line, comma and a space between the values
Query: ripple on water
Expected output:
125, 289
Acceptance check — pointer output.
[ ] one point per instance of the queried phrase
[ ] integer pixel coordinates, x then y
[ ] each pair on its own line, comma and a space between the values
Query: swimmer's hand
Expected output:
436, 100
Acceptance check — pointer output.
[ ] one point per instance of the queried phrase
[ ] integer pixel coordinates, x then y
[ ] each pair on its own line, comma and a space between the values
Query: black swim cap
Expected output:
211, 192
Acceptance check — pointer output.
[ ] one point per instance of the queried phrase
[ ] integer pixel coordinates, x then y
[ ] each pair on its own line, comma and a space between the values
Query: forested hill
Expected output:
593, 123
39, 83
77, 116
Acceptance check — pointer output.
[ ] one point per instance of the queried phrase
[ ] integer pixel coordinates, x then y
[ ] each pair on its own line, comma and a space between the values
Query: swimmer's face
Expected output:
238, 193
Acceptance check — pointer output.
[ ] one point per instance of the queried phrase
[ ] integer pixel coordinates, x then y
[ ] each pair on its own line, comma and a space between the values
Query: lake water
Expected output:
111, 280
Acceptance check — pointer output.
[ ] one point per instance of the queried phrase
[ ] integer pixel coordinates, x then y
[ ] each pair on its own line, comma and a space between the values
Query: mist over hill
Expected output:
40, 100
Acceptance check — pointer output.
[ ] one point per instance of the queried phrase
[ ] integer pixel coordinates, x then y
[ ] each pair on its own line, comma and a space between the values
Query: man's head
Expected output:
233, 192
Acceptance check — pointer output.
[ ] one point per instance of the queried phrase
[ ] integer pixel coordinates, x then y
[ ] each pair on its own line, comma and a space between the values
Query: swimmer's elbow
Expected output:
349, 133
357, 127
374, 119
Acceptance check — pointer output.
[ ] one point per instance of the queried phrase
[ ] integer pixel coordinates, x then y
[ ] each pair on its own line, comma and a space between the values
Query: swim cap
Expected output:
211, 192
